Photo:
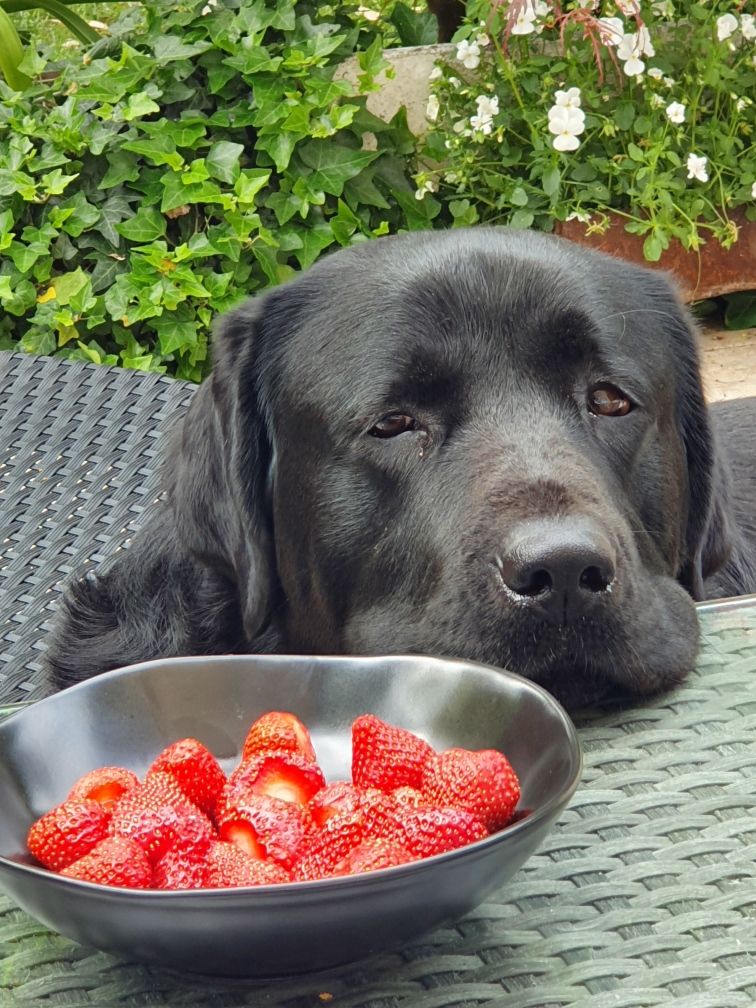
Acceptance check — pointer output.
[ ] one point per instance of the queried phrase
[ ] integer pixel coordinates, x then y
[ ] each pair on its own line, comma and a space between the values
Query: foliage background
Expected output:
204, 151
198, 155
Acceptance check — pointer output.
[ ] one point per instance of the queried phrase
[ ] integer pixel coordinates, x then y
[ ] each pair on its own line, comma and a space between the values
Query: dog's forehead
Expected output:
433, 312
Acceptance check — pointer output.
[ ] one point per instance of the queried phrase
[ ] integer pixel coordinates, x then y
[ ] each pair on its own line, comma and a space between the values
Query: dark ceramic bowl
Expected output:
127, 716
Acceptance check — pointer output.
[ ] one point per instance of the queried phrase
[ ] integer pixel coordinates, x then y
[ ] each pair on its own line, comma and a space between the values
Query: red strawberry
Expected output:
243, 835
114, 861
67, 832
279, 775
429, 831
371, 855
330, 845
386, 757
228, 866
481, 782
196, 771
105, 785
334, 798
409, 796
180, 869
159, 816
267, 828
382, 815
278, 731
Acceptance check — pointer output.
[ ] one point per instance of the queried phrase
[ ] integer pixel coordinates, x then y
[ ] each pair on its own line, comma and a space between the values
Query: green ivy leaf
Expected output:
332, 165
54, 182
171, 47
280, 146
222, 160
145, 226
249, 183
84, 215
159, 150
254, 60
68, 285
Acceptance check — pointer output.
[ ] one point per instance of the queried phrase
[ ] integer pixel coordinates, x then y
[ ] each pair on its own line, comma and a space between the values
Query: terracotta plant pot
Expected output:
709, 272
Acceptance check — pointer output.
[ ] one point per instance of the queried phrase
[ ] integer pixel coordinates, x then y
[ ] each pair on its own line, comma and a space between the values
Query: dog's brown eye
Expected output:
393, 424
608, 400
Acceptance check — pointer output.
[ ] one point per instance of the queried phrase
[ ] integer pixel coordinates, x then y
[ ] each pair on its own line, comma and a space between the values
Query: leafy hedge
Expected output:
181, 166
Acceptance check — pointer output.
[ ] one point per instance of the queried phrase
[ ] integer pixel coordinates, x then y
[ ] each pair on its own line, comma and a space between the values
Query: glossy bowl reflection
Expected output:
127, 716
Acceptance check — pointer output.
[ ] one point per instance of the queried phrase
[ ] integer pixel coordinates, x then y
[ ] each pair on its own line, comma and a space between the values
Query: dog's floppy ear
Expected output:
220, 469
708, 534
199, 575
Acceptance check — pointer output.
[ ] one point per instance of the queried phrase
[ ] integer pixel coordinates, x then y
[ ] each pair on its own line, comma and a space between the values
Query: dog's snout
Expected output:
559, 567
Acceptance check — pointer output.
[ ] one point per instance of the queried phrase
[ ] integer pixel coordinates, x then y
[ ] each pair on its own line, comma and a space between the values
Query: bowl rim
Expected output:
525, 824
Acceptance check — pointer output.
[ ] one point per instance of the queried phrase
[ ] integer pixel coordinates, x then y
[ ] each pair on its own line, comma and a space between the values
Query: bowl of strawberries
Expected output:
263, 816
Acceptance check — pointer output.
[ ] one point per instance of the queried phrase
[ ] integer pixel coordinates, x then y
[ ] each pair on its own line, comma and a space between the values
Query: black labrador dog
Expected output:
482, 443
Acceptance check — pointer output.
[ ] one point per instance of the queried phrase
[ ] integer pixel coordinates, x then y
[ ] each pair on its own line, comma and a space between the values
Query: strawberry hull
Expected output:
277, 930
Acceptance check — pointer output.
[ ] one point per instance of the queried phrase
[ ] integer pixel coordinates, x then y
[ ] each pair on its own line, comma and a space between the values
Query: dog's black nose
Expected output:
559, 566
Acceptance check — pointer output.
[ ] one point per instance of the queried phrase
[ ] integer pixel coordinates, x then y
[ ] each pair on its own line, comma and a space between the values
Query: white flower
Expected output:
748, 26
727, 24
432, 108
676, 112
527, 17
628, 7
566, 124
487, 106
451, 177
656, 101
208, 7
569, 98
631, 48
579, 215
655, 72
669, 81
643, 41
753, 190
633, 67
460, 126
427, 186
487, 109
455, 82
435, 74
611, 30
482, 40
696, 165
524, 22
468, 54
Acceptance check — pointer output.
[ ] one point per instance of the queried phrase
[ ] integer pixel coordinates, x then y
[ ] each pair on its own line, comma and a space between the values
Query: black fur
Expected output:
288, 527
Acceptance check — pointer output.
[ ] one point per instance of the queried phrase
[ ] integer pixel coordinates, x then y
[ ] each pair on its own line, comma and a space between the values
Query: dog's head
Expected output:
483, 443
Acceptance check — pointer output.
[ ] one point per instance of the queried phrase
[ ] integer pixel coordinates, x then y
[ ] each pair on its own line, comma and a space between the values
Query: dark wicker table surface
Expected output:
644, 894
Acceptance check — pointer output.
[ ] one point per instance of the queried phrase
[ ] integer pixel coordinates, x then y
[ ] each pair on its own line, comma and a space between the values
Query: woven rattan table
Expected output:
644, 895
